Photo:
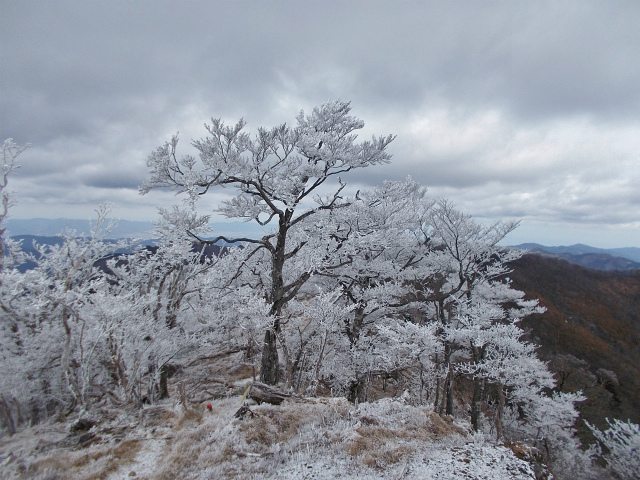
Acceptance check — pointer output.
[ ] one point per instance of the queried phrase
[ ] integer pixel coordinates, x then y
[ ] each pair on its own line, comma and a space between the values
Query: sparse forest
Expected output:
384, 293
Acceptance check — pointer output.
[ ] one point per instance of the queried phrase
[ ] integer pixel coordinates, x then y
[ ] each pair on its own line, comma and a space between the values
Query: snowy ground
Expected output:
322, 438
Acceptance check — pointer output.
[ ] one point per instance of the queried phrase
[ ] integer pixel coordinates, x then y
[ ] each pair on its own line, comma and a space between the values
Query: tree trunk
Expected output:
163, 388
437, 399
478, 382
449, 409
358, 320
501, 402
2, 230
446, 406
356, 389
7, 413
65, 360
475, 403
269, 367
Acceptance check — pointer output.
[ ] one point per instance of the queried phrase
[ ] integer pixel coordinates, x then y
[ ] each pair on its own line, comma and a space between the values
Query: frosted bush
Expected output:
622, 440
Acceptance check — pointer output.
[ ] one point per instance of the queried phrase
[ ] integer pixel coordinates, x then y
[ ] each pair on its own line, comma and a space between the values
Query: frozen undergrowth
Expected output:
144, 463
322, 438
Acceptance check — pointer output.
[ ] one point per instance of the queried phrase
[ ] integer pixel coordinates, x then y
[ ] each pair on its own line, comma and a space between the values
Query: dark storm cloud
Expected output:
517, 108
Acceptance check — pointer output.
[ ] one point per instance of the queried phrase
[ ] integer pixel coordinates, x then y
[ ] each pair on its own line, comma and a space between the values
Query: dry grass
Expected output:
273, 433
203, 443
49, 451
375, 436
377, 447
395, 433
387, 456
93, 463
189, 417
158, 416
306, 439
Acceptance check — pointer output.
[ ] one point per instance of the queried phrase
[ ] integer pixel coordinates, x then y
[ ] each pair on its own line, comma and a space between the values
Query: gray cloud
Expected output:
509, 109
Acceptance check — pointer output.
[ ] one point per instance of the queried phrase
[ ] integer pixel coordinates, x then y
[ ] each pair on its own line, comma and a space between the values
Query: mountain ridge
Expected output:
47, 227
608, 259
145, 230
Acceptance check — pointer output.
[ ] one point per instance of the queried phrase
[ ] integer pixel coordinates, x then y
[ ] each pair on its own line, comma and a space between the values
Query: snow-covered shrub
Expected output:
622, 443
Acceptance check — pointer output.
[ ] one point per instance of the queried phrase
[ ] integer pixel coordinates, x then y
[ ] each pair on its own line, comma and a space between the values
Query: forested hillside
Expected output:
590, 332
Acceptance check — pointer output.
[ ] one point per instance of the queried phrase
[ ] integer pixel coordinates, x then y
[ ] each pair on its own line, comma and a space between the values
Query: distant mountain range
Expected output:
46, 227
608, 259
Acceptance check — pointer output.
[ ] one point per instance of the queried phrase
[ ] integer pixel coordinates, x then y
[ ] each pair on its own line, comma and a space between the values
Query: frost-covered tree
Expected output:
86, 326
475, 314
380, 249
181, 285
10, 152
275, 173
360, 256
379, 253
622, 443
460, 256
51, 341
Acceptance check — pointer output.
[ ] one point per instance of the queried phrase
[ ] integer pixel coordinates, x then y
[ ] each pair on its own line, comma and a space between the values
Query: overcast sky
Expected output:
527, 110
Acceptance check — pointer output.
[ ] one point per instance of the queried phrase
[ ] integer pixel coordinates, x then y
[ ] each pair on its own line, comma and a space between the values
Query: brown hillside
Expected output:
590, 332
